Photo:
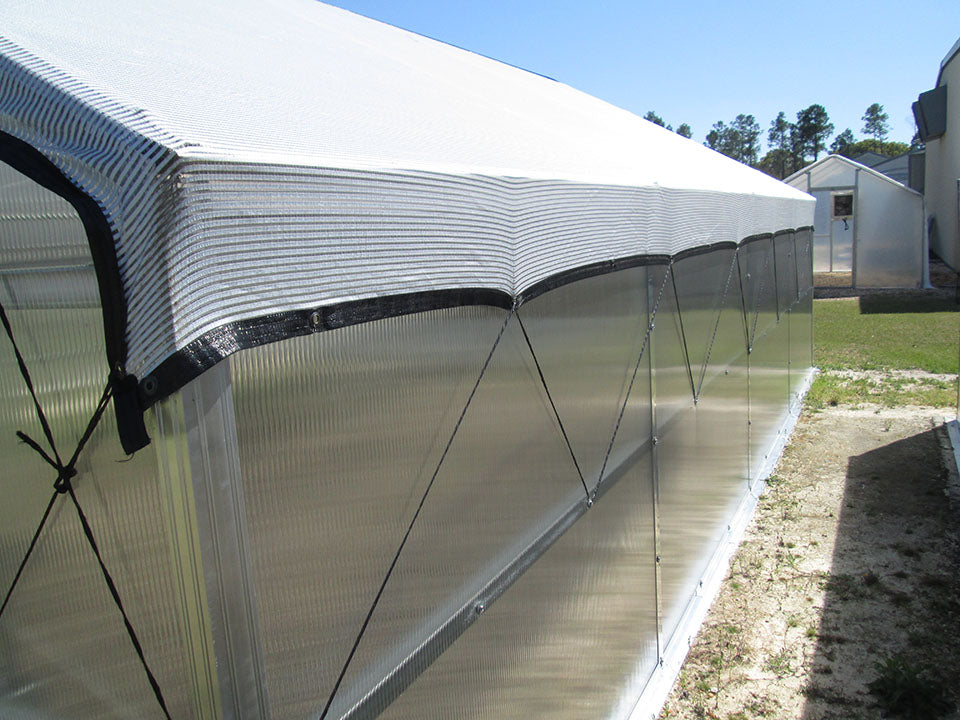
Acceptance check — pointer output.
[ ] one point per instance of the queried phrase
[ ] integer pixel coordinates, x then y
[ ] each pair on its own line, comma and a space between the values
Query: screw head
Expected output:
316, 319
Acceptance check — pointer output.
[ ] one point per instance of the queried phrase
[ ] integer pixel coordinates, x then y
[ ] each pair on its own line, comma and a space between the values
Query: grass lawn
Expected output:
885, 333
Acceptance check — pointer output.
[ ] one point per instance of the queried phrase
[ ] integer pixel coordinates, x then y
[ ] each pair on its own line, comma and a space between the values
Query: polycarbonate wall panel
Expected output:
768, 358
802, 242
702, 446
759, 286
507, 479
339, 434
889, 234
769, 391
821, 214
842, 236
821, 253
575, 637
64, 651
801, 321
704, 285
588, 336
801, 335
833, 174
786, 271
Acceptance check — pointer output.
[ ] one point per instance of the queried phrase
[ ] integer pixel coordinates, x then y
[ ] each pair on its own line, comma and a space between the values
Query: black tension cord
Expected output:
636, 369
543, 382
62, 485
716, 326
683, 335
416, 514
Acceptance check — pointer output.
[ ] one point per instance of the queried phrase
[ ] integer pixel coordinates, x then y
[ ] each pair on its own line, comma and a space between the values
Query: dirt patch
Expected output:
849, 571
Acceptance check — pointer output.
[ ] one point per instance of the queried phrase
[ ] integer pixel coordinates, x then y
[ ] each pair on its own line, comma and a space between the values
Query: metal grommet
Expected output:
149, 385
480, 608
316, 319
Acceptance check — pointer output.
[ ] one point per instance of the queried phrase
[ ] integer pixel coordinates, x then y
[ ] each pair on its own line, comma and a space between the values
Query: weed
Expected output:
907, 690
811, 631
779, 664
793, 621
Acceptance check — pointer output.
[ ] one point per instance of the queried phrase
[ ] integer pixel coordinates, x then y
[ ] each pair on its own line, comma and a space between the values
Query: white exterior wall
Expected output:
943, 171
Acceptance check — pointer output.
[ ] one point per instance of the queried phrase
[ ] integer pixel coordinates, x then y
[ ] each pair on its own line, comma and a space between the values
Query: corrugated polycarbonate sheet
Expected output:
803, 242
574, 637
842, 234
588, 337
889, 234
769, 390
213, 184
801, 321
701, 447
821, 225
705, 285
768, 360
758, 284
786, 271
821, 253
65, 652
831, 172
37, 229
801, 333
821, 216
339, 434
507, 478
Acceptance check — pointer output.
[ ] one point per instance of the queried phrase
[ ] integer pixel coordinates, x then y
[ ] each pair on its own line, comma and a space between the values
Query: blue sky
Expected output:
699, 62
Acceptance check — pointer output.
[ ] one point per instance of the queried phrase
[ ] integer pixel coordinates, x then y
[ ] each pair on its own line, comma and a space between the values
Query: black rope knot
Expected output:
62, 483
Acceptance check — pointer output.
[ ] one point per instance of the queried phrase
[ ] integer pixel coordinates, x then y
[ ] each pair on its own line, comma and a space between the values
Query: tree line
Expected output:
793, 145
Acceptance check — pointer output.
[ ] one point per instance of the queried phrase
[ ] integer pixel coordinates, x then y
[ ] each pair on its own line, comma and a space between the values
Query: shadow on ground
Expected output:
895, 558
915, 301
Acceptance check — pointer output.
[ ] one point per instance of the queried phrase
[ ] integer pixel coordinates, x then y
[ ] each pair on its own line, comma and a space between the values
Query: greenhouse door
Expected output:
841, 230
833, 231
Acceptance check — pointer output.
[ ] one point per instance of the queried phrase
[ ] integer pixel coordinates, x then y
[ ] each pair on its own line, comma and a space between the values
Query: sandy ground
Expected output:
852, 558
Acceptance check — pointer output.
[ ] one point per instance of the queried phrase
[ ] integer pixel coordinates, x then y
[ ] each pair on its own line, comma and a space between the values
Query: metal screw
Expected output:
149, 385
480, 608
316, 319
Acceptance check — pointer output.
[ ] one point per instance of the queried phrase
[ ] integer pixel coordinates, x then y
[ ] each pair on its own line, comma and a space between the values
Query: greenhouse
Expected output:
348, 374
868, 228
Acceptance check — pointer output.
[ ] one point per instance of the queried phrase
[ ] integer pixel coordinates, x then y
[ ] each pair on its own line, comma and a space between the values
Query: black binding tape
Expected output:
35, 165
